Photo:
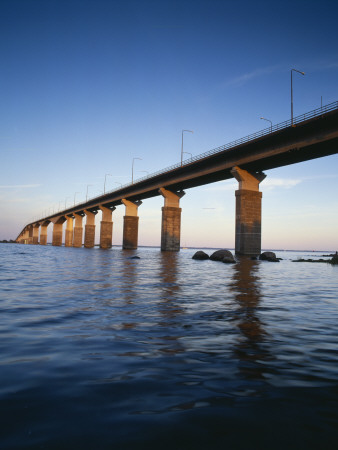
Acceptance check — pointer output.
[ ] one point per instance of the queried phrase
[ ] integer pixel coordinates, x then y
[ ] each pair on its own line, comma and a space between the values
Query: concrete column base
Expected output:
36, 230
78, 232
57, 234
30, 235
69, 233
130, 232
171, 229
43, 239
106, 234
248, 222
89, 239
69, 238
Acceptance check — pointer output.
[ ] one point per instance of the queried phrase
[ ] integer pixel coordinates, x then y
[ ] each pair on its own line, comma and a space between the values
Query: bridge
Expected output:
309, 136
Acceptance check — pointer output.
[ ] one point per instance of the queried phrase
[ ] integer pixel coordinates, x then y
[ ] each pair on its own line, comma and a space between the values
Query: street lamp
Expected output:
66, 201
104, 187
302, 73
87, 191
268, 120
132, 170
188, 153
182, 145
75, 196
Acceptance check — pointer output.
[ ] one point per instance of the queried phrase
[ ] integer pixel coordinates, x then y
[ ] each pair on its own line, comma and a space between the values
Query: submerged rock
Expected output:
200, 255
222, 255
268, 256
334, 259
134, 257
228, 259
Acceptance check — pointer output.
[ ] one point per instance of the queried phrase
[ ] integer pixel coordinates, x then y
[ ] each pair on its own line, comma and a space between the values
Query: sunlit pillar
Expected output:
69, 232
248, 212
25, 236
130, 224
43, 233
36, 228
57, 230
89, 240
171, 220
78, 230
106, 226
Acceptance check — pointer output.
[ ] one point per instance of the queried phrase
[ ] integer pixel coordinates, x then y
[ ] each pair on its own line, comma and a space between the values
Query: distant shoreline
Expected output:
5, 241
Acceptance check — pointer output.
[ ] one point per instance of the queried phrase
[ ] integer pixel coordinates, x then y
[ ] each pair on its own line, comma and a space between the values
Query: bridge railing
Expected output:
251, 137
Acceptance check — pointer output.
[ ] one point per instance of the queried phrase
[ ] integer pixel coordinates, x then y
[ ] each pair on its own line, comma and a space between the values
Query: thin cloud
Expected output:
19, 186
242, 79
267, 184
284, 183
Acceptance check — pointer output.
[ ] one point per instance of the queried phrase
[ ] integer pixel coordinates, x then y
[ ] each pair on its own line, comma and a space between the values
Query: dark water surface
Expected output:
100, 351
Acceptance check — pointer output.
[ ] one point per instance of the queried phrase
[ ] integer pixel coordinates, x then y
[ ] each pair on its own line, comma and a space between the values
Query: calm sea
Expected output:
102, 351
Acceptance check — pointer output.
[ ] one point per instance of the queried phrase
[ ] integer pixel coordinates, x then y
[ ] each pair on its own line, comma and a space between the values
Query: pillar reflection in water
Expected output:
249, 349
128, 277
170, 312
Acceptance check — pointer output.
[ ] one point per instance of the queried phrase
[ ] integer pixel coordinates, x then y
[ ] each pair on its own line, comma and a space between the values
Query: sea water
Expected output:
100, 350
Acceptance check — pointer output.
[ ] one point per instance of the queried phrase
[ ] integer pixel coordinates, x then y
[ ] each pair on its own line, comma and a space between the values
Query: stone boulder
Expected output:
200, 255
228, 259
268, 256
222, 255
334, 259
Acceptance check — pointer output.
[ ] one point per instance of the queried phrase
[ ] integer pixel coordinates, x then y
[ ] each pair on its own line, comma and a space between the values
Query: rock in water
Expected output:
228, 259
200, 255
220, 255
268, 256
334, 259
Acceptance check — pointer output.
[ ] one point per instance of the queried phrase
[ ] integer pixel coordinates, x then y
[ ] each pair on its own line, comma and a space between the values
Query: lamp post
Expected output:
66, 201
182, 145
188, 153
75, 196
105, 177
87, 191
302, 73
132, 170
268, 120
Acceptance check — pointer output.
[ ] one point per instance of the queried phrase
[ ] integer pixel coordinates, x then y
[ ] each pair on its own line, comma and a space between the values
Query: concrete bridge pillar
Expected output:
89, 240
69, 232
130, 224
36, 228
24, 236
248, 212
106, 228
57, 230
171, 220
43, 233
78, 230
30, 234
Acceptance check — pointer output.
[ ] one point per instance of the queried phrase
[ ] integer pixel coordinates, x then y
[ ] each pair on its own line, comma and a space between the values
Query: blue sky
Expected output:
86, 86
